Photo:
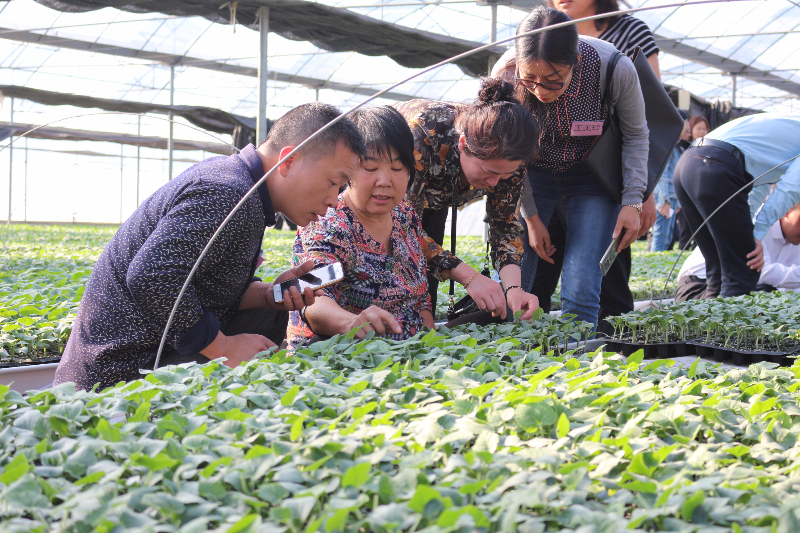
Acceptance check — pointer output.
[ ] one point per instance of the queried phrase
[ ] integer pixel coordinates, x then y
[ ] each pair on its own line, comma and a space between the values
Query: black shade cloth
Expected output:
208, 118
717, 113
330, 28
16, 129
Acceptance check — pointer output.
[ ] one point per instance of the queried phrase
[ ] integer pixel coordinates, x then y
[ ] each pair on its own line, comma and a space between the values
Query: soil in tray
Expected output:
742, 357
664, 350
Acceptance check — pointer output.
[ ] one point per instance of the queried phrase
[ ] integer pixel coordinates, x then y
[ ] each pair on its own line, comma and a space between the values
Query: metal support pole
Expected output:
733, 90
317, 93
121, 174
261, 116
170, 141
138, 158
492, 38
492, 35
10, 162
26, 180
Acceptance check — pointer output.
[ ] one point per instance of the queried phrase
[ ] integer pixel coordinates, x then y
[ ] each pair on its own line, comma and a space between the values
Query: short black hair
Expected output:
303, 121
384, 128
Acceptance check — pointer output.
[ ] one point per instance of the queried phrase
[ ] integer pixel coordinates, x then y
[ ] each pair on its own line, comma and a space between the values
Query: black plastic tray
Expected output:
740, 357
662, 350
42, 361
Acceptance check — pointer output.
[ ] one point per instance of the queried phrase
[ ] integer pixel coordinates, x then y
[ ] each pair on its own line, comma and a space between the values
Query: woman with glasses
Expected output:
561, 78
463, 152
626, 33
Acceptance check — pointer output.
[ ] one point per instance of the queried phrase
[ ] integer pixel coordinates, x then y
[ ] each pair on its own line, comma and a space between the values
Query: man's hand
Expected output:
293, 299
629, 219
539, 238
237, 349
648, 216
519, 300
376, 319
663, 210
756, 257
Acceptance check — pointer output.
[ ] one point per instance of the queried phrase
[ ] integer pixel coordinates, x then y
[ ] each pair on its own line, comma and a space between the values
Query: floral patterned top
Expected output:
437, 173
396, 283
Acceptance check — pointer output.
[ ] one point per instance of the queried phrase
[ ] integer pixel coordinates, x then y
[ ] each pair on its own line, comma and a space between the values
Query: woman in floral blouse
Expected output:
377, 238
463, 152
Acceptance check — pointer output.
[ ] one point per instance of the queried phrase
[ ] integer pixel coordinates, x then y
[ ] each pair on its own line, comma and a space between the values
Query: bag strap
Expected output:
453, 218
612, 65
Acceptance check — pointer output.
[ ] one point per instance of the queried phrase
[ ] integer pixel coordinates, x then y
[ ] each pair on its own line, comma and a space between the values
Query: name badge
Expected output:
587, 127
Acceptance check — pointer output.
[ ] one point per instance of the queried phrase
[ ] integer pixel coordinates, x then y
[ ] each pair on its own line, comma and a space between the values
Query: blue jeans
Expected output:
663, 230
589, 215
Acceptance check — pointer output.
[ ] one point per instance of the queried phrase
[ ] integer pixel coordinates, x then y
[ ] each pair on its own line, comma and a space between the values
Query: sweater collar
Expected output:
250, 158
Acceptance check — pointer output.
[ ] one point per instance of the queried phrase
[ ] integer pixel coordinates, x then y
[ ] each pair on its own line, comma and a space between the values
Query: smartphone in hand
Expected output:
611, 254
316, 279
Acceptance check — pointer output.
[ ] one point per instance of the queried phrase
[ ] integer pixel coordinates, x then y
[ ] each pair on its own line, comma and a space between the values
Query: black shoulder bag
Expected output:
604, 158
465, 305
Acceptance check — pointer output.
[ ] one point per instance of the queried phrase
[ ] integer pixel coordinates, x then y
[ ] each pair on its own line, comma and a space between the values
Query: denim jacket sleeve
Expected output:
785, 195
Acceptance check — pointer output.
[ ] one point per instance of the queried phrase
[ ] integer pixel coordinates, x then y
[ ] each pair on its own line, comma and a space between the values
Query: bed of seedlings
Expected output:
442, 432
43, 270
761, 324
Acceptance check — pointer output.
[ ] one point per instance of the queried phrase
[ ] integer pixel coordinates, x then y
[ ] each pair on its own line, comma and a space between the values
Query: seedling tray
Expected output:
663, 350
42, 361
742, 357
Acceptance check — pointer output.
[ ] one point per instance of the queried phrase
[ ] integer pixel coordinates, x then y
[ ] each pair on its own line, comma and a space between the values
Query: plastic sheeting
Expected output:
329, 28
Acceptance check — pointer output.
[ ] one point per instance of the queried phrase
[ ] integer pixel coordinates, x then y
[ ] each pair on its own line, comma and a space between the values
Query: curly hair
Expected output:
496, 125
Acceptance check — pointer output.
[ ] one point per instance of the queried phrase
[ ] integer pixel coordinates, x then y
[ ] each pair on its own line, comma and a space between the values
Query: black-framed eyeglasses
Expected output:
546, 85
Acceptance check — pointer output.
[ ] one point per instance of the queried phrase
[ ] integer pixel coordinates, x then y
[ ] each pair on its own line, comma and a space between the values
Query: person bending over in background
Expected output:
781, 269
225, 312
463, 152
718, 165
378, 239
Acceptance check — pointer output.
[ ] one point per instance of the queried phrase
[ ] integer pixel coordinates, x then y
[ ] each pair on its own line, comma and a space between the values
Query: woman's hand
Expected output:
488, 294
648, 216
756, 257
519, 300
629, 219
539, 238
664, 209
373, 318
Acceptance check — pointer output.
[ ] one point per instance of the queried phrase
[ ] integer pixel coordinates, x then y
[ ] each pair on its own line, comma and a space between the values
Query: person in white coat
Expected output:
781, 269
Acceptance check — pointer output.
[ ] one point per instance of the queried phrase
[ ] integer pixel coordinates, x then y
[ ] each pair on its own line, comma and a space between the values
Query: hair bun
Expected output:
495, 90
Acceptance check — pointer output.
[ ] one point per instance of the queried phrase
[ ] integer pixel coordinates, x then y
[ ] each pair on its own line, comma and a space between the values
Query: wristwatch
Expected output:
638, 207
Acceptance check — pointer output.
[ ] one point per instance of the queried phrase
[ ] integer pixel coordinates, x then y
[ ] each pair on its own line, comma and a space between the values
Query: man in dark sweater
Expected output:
225, 312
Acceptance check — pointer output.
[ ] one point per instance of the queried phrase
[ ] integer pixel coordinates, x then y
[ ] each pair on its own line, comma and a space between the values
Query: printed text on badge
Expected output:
587, 127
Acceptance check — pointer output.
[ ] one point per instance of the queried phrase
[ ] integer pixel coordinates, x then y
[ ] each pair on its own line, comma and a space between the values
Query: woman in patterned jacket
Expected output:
378, 239
463, 152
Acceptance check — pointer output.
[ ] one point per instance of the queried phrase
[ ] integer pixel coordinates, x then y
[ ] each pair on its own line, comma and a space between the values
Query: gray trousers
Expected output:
270, 323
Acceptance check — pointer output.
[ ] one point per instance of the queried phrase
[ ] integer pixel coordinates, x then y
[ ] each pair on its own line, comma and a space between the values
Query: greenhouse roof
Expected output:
118, 54
112, 53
